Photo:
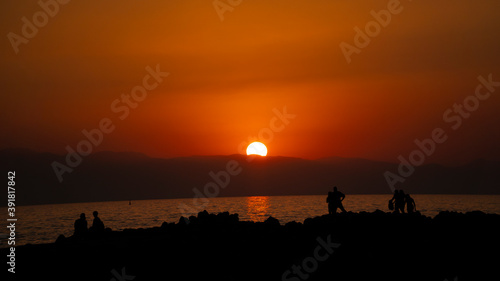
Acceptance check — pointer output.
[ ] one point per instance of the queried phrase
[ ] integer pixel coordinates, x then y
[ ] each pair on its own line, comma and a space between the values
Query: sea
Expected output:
44, 223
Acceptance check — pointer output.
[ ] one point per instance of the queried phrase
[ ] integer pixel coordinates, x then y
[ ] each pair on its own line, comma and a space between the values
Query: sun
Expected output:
257, 148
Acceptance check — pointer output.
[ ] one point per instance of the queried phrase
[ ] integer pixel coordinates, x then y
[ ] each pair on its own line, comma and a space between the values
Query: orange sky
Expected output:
226, 77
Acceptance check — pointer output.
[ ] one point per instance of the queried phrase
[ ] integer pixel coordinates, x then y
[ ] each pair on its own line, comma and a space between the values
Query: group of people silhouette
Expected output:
334, 200
81, 225
396, 204
399, 200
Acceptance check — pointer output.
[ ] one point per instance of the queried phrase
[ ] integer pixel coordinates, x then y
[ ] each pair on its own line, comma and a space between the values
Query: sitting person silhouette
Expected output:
334, 201
97, 224
410, 204
80, 226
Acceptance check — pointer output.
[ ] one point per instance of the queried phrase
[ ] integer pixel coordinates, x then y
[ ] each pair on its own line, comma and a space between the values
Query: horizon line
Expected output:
30, 150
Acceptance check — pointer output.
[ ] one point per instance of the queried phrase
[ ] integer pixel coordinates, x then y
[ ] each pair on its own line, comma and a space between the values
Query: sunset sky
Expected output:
227, 76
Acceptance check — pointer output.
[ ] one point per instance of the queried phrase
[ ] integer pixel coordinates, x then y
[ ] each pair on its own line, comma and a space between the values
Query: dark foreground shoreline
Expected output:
350, 246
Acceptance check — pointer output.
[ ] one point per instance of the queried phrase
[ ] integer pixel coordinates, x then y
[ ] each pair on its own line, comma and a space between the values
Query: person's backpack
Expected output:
391, 205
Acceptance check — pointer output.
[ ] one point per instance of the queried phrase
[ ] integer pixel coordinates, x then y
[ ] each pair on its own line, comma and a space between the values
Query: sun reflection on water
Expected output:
258, 207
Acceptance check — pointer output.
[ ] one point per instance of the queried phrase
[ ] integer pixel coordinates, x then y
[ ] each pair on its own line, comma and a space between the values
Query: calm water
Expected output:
44, 223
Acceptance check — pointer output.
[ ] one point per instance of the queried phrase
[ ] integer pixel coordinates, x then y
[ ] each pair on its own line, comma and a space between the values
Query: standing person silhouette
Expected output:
398, 199
329, 200
80, 226
391, 202
334, 201
411, 207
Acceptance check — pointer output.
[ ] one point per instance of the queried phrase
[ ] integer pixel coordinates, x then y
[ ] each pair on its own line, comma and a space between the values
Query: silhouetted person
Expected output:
97, 224
80, 226
400, 202
391, 202
410, 204
398, 199
329, 200
393, 199
334, 201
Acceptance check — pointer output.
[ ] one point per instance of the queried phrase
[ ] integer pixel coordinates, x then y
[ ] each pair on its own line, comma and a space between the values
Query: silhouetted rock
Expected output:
272, 221
204, 215
345, 246
61, 239
183, 221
